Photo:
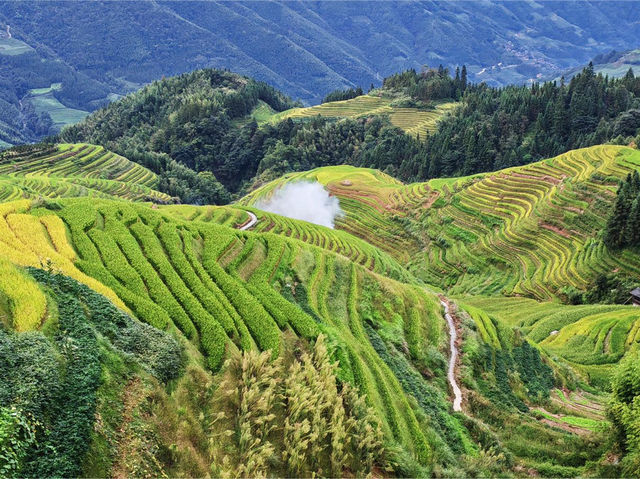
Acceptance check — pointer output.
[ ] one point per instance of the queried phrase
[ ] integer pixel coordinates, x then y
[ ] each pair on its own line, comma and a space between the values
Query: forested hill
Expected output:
501, 127
185, 123
60, 60
211, 135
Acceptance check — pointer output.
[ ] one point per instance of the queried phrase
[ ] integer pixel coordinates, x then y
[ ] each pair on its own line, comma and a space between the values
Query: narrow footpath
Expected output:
253, 219
453, 336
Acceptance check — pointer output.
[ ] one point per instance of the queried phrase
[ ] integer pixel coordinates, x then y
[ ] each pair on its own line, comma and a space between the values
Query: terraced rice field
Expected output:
581, 404
42, 241
419, 122
227, 290
592, 338
530, 230
374, 204
73, 170
44, 101
222, 215
412, 120
336, 241
527, 231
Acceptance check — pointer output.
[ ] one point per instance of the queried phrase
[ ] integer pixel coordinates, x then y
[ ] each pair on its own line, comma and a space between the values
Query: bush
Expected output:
50, 385
624, 412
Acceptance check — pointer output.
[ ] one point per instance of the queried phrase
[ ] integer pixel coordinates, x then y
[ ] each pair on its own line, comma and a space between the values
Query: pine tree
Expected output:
463, 78
617, 221
632, 227
635, 183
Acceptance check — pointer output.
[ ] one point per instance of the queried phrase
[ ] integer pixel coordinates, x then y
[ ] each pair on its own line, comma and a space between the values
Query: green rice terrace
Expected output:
231, 341
414, 121
74, 170
527, 231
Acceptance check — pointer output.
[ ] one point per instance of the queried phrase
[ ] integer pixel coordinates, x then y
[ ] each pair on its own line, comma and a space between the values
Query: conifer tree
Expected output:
632, 227
616, 222
463, 78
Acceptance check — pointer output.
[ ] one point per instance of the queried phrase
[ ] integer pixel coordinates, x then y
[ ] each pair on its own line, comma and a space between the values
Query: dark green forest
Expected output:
500, 127
623, 227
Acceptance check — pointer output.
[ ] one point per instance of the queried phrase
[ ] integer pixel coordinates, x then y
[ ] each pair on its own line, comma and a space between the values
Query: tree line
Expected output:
623, 225
501, 127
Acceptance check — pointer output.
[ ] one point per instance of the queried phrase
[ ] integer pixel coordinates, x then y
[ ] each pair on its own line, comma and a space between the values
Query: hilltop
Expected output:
614, 64
243, 131
417, 122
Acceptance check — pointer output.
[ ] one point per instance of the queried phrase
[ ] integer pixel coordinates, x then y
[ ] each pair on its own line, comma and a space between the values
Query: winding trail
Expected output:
253, 219
453, 336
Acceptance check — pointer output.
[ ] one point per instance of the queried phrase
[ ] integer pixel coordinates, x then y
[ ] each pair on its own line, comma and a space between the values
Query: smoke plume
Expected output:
303, 200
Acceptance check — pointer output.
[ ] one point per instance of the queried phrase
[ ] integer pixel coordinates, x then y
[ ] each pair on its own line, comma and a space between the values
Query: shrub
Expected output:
624, 412
50, 385
17, 436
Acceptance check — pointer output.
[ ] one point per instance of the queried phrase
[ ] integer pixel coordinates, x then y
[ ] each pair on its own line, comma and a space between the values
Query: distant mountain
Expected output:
96, 50
615, 64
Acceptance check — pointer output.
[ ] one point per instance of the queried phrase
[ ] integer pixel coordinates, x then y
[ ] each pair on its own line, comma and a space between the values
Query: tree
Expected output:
463, 78
624, 412
632, 227
616, 223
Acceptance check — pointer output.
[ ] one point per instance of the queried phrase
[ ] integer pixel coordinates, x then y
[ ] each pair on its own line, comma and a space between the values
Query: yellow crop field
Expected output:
416, 122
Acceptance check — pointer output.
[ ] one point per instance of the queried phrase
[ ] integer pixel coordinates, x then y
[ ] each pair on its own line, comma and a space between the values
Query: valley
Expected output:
157, 320
199, 274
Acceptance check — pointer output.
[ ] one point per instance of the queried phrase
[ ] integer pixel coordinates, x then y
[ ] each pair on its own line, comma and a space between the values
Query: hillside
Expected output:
174, 275
531, 231
305, 294
213, 122
308, 50
414, 121
40, 94
471, 228
64, 170
614, 64
212, 136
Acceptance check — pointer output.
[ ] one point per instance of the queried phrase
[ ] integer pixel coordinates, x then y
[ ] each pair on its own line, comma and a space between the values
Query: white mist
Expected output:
303, 200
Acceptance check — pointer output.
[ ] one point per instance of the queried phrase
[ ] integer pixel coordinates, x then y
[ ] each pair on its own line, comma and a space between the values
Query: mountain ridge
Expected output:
326, 47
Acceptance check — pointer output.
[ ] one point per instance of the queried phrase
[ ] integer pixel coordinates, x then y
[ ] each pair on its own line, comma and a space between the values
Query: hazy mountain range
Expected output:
306, 49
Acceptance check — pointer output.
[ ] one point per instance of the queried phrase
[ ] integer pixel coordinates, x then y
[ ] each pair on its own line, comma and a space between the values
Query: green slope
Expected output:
416, 122
530, 230
277, 288
63, 170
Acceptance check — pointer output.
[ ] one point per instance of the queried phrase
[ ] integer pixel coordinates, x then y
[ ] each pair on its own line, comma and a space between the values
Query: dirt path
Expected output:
253, 219
453, 336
